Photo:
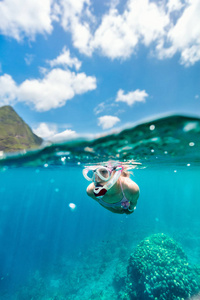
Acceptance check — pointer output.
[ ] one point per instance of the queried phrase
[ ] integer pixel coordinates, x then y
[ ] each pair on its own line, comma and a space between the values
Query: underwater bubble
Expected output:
78, 163
46, 165
152, 150
56, 190
188, 165
165, 152
191, 144
63, 159
175, 171
72, 206
152, 127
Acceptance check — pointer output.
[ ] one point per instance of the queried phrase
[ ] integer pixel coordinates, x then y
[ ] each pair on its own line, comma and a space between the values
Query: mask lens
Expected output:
90, 174
104, 173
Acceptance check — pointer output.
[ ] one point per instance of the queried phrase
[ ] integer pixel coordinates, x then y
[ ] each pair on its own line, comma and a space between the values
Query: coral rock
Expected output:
159, 269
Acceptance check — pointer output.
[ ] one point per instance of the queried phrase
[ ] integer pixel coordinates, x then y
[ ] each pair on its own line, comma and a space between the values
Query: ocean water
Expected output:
50, 251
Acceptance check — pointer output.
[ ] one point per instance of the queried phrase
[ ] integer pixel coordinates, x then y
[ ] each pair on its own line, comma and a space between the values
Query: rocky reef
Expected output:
158, 269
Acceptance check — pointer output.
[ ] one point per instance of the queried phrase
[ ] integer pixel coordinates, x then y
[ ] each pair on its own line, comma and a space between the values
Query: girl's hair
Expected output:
126, 173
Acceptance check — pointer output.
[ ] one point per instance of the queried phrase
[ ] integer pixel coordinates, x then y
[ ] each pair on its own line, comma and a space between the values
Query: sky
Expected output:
76, 67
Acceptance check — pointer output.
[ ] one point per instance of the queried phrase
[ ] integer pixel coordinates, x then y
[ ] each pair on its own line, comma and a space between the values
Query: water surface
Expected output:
49, 251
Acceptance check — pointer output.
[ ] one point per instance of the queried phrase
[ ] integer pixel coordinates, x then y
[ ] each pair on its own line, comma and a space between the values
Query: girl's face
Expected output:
98, 180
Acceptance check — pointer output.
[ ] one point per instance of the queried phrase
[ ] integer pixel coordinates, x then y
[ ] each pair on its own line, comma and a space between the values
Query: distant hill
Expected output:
15, 134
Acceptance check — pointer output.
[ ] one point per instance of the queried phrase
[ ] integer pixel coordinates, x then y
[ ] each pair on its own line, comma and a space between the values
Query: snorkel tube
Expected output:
99, 191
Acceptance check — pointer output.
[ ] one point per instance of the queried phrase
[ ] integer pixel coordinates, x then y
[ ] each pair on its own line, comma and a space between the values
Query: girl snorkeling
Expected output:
112, 187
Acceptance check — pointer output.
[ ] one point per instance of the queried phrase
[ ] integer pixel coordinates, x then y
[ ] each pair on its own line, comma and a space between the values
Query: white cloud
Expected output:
8, 90
76, 17
173, 23
25, 18
187, 28
113, 3
55, 89
63, 136
190, 55
52, 91
174, 5
100, 107
167, 27
119, 34
105, 106
45, 131
65, 59
114, 37
29, 59
49, 132
184, 36
131, 97
82, 37
108, 121
69, 10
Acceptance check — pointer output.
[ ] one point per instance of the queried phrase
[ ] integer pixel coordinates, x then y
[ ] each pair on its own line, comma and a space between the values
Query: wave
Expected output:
168, 140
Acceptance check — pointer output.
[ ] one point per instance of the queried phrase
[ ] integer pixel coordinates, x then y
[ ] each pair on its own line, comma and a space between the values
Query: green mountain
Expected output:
15, 134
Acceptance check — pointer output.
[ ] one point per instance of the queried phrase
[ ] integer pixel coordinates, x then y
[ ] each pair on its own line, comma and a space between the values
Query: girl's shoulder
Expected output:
129, 185
126, 181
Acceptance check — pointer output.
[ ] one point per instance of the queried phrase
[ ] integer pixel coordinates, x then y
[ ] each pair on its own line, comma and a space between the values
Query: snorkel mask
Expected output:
104, 173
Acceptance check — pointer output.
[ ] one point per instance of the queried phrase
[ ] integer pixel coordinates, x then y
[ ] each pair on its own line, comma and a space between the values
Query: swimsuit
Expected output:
124, 203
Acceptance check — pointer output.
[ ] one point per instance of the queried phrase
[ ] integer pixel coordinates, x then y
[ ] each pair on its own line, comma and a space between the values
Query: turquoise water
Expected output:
49, 251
